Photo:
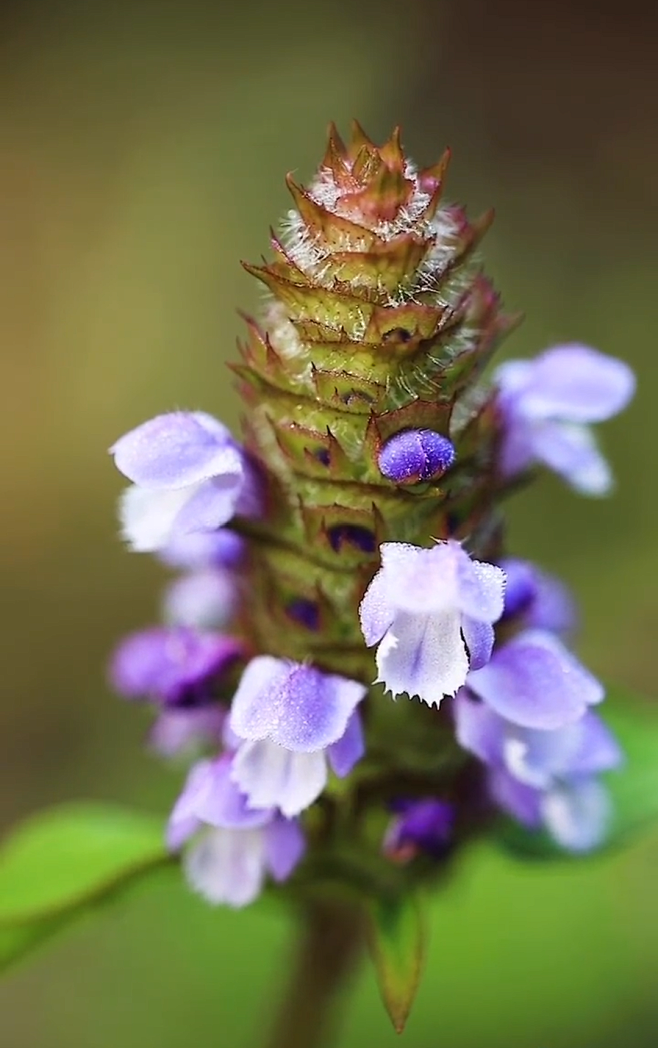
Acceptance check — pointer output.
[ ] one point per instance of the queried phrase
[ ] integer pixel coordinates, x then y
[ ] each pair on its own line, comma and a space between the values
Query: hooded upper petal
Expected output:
546, 405
177, 450
535, 682
573, 382
296, 706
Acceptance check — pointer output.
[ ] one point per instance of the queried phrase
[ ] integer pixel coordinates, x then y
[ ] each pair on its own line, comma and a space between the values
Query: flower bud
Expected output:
414, 455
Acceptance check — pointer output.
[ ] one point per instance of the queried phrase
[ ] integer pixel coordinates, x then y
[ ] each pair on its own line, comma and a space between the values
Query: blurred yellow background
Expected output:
144, 149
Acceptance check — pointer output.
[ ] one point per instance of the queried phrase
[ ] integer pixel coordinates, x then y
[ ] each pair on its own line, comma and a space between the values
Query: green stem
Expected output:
326, 949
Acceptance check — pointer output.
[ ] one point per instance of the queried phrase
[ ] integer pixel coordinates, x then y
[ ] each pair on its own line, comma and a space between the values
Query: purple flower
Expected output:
292, 719
535, 682
432, 612
547, 404
424, 824
414, 455
175, 666
538, 600
544, 777
229, 862
535, 757
202, 599
188, 475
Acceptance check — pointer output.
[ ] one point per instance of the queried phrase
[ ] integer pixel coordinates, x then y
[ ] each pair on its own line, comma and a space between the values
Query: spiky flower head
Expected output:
358, 539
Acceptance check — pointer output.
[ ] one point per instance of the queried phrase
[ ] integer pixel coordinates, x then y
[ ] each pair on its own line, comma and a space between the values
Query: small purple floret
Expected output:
176, 666
544, 777
547, 405
188, 475
424, 824
239, 845
414, 455
431, 612
291, 721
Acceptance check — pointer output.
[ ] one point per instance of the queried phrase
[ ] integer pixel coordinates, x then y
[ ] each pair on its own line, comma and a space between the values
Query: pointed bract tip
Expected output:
336, 151
432, 177
392, 153
358, 138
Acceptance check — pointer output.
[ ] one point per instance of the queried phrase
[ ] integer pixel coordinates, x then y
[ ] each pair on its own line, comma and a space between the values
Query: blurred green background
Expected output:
144, 149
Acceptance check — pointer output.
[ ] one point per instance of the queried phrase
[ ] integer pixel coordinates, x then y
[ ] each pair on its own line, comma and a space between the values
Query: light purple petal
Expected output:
270, 776
203, 600
571, 451
176, 451
516, 449
136, 666
284, 847
183, 821
375, 612
147, 517
349, 749
554, 608
200, 550
577, 383
535, 682
209, 506
542, 601
296, 706
423, 655
478, 729
518, 800
578, 815
218, 801
481, 587
227, 866
540, 758
180, 730
479, 638
422, 581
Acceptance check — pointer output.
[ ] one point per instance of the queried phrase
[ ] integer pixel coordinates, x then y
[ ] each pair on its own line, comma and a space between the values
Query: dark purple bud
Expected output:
423, 824
352, 534
415, 454
304, 611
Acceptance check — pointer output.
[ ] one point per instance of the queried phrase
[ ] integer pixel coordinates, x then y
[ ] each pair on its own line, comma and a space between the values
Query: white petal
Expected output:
274, 777
577, 815
227, 866
423, 655
147, 516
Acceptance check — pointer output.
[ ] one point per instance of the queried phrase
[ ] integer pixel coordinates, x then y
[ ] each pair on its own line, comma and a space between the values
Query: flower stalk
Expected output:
327, 947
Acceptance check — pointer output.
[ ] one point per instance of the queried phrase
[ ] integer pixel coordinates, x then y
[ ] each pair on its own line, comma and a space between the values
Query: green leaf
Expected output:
398, 940
62, 861
71, 854
633, 787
